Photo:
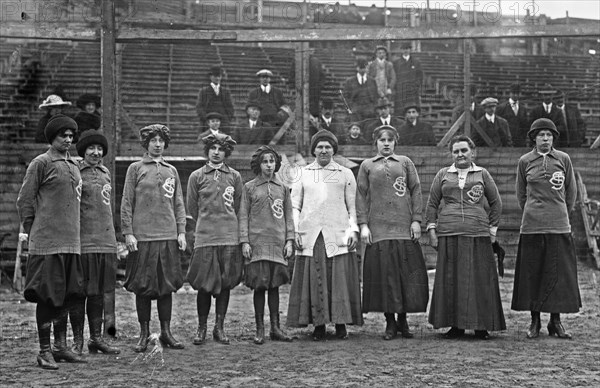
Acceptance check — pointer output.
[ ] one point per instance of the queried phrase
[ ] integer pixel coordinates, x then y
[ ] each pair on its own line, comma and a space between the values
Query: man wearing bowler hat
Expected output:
269, 98
414, 131
494, 126
382, 109
214, 98
409, 76
516, 115
547, 109
326, 120
253, 130
360, 93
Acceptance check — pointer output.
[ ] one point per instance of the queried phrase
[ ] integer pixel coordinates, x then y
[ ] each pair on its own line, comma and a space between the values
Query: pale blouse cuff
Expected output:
431, 225
296, 217
493, 230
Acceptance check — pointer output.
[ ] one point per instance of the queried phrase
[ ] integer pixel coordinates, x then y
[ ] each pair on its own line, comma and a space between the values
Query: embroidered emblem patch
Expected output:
475, 193
557, 180
228, 196
400, 186
169, 187
277, 208
106, 189
78, 190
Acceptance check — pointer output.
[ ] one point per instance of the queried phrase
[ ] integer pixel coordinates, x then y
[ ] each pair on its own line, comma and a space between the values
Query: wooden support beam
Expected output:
467, 83
583, 201
452, 131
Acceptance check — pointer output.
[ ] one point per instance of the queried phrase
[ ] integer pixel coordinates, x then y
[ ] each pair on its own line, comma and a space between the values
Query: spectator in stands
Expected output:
153, 222
476, 110
415, 131
98, 242
546, 268
214, 195
352, 15
326, 120
409, 78
267, 236
389, 212
516, 115
214, 98
213, 121
383, 109
354, 136
494, 126
466, 294
253, 130
382, 71
54, 276
89, 117
269, 98
547, 108
360, 92
572, 128
375, 16
53, 105
325, 285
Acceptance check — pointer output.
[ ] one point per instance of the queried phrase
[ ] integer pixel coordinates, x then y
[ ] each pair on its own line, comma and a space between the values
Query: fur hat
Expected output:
54, 101
257, 158
541, 124
323, 135
58, 123
89, 137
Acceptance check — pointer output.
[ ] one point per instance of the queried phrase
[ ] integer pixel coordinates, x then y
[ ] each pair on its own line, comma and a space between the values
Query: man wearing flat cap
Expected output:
414, 131
215, 98
360, 92
409, 78
269, 98
382, 110
382, 71
516, 115
494, 126
253, 130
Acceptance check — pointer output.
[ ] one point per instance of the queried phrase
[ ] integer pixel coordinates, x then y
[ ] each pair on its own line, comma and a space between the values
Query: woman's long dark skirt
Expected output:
215, 268
325, 289
100, 272
466, 293
546, 274
154, 270
52, 279
395, 278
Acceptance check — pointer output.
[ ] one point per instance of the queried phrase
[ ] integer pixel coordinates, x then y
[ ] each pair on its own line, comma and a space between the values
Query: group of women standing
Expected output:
247, 232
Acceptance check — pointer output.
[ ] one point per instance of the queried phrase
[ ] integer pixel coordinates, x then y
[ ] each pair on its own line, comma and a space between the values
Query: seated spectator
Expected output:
516, 115
53, 105
572, 126
382, 71
360, 92
269, 98
253, 130
494, 126
326, 120
354, 136
384, 117
214, 97
414, 131
213, 120
89, 117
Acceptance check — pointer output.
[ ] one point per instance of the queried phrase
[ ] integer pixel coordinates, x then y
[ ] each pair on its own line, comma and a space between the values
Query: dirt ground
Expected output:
365, 359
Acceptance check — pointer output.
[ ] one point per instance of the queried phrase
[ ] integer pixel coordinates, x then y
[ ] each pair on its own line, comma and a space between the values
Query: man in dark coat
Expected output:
494, 126
269, 98
215, 98
384, 117
572, 126
326, 120
516, 115
476, 110
409, 78
253, 130
360, 93
415, 131
547, 109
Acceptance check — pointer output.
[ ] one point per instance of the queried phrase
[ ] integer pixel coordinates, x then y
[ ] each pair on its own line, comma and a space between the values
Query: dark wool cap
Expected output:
58, 123
257, 158
323, 135
90, 137
412, 106
214, 115
541, 124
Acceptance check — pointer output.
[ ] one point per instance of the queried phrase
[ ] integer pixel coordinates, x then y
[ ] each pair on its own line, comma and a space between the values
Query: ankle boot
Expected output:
201, 333
96, 343
535, 326
276, 333
340, 331
259, 339
167, 338
218, 332
320, 333
556, 328
142, 344
61, 351
454, 332
77, 317
403, 327
44, 358
391, 327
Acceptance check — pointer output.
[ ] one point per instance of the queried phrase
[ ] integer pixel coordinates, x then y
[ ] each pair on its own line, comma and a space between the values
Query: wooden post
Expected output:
302, 90
109, 122
467, 83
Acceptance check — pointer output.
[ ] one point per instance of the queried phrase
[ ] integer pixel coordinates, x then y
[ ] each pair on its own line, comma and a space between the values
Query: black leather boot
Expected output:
535, 326
218, 332
556, 328
320, 333
44, 325
142, 343
391, 327
403, 327
201, 333
340, 331
77, 318
61, 351
259, 338
167, 338
276, 333
96, 343
454, 332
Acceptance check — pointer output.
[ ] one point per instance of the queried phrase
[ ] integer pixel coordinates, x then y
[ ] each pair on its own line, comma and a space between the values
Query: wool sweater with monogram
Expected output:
266, 218
152, 207
389, 197
214, 194
463, 212
546, 191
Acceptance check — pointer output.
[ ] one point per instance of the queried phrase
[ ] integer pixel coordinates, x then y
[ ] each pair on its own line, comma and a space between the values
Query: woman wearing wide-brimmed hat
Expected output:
546, 268
53, 105
153, 222
214, 195
88, 117
325, 284
49, 204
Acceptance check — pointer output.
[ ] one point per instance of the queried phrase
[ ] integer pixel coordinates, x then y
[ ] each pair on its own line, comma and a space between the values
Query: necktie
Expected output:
548, 109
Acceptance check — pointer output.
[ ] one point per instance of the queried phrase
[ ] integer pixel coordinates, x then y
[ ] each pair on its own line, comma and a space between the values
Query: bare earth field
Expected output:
365, 359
